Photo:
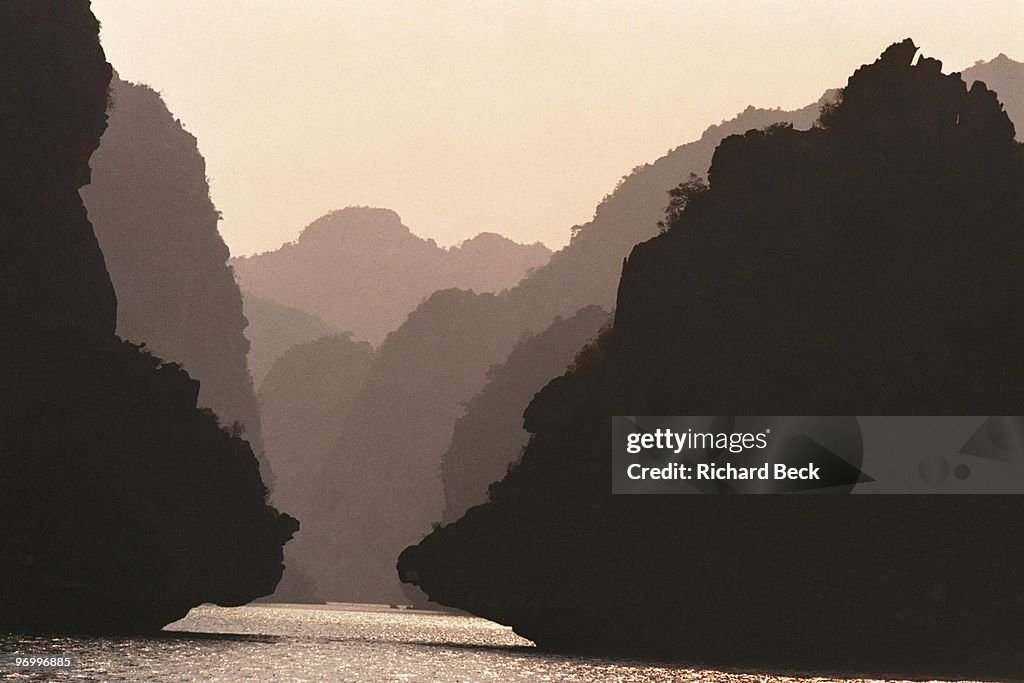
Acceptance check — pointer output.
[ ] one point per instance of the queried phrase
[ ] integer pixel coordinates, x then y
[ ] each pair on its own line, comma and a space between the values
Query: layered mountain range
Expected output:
389, 447
401, 430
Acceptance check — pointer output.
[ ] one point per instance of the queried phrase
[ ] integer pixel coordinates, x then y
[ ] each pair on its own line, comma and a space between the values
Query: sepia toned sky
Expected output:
512, 117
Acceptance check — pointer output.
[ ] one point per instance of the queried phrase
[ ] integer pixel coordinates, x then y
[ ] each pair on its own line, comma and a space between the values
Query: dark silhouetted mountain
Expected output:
361, 271
305, 398
47, 137
123, 504
867, 266
274, 328
1006, 78
389, 454
490, 436
149, 203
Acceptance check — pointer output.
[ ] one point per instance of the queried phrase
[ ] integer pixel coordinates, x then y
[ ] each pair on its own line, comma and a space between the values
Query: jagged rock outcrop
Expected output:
273, 329
490, 437
149, 203
123, 504
362, 271
867, 266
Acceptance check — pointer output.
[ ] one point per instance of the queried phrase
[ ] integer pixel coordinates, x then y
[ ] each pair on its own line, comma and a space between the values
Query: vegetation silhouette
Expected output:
123, 504
869, 265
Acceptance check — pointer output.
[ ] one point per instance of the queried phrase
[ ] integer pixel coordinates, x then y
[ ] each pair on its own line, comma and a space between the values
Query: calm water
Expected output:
338, 643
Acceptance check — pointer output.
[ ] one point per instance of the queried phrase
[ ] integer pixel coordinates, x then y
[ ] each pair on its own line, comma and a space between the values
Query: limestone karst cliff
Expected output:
305, 399
380, 481
867, 266
124, 505
149, 204
47, 137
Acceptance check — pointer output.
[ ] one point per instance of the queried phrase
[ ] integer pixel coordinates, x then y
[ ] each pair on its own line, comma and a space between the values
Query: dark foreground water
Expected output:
337, 643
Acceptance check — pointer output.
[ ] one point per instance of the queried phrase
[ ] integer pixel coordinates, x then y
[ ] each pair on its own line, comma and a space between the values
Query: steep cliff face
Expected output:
381, 487
48, 132
150, 206
489, 438
124, 505
336, 268
867, 266
305, 398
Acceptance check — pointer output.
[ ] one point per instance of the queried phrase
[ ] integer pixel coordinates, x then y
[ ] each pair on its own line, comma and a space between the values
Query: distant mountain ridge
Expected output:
360, 270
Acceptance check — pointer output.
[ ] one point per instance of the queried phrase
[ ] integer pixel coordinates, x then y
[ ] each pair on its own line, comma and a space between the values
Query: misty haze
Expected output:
315, 317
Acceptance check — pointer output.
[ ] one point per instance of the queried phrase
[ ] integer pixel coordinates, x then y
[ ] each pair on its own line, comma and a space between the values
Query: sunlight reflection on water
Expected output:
339, 643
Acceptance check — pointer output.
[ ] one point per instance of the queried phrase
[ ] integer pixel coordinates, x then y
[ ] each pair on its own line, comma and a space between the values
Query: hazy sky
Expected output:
514, 117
